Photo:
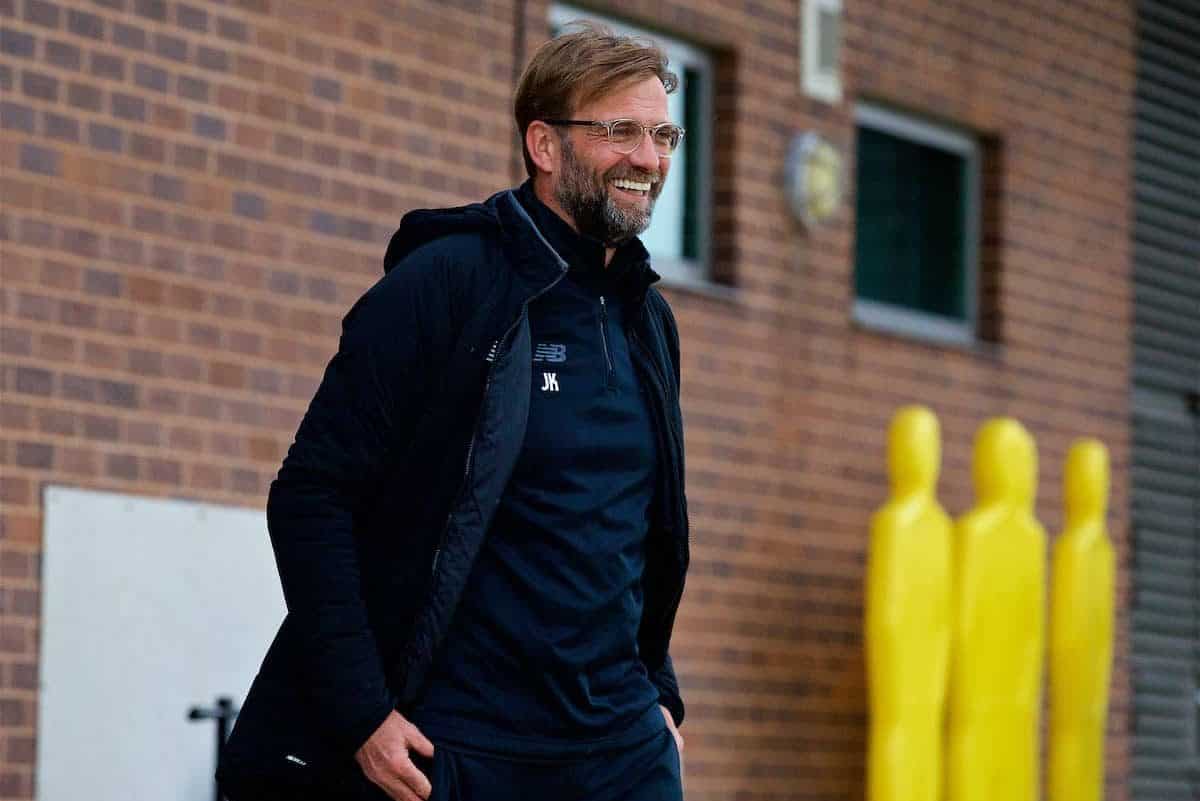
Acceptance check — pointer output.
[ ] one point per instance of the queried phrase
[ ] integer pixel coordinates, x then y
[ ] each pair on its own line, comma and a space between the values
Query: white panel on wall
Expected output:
149, 607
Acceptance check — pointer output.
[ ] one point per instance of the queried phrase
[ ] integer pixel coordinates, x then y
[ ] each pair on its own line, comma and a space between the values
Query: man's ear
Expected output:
541, 140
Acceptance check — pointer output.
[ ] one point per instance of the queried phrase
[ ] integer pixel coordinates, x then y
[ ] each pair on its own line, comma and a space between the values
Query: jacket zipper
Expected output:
604, 342
437, 551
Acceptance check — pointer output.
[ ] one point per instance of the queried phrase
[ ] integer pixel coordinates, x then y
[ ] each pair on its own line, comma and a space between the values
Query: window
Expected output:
678, 236
917, 221
821, 43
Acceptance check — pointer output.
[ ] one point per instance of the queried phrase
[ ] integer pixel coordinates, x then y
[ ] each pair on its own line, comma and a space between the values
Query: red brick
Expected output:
165, 471
21, 750
15, 565
186, 297
14, 490
101, 427
58, 421
121, 466
33, 381
16, 785
14, 416
13, 712
25, 603
35, 307
77, 462
185, 439
183, 367
144, 290
78, 315
246, 482
55, 347
206, 477
23, 676
144, 432
21, 528
224, 374
173, 118
227, 444
263, 449
117, 321
101, 355
60, 275
35, 455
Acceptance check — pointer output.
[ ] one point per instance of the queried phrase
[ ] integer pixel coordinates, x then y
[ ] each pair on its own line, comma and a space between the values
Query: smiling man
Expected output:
481, 527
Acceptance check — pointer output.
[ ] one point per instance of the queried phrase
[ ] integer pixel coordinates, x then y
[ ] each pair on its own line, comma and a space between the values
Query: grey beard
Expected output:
594, 211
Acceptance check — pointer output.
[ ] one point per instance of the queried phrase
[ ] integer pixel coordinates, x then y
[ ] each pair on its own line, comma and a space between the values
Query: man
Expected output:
481, 529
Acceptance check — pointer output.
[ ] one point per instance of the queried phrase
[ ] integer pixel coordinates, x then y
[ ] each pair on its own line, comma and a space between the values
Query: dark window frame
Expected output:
915, 323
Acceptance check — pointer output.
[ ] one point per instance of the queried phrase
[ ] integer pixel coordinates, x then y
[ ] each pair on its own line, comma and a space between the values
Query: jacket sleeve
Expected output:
664, 678
339, 457
668, 690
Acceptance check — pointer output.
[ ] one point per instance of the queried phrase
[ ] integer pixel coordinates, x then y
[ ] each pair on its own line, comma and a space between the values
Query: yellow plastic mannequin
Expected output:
1081, 629
998, 645
908, 617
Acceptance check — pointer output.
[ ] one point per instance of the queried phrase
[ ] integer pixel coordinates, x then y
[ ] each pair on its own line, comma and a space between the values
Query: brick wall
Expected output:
194, 193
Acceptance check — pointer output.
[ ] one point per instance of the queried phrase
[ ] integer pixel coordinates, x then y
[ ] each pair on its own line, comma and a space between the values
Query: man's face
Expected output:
591, 169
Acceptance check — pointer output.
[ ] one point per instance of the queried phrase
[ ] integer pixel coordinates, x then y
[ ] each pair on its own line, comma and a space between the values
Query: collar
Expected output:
628, 274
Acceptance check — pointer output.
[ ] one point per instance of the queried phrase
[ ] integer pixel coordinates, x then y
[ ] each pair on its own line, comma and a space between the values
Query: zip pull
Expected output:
604, 341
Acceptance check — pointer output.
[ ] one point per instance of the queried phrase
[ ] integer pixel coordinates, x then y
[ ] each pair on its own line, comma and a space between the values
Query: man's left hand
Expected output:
674, 729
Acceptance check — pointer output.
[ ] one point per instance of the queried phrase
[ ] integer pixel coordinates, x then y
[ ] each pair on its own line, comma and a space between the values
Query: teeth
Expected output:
625, 183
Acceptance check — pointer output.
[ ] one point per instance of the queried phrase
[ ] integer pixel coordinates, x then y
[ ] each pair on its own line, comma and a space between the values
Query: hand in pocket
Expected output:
386, 761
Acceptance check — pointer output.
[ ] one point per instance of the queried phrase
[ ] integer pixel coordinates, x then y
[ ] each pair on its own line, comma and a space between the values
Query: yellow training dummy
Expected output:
908, 617
1081, 630
999, 625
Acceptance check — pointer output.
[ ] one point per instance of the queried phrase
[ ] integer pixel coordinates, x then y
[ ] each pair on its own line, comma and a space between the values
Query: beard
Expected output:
585, 196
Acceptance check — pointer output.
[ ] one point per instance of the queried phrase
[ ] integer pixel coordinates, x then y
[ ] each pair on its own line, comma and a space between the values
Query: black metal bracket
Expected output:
223, 713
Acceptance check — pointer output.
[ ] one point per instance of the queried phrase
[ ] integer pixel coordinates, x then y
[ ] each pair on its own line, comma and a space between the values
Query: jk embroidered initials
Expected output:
550, 382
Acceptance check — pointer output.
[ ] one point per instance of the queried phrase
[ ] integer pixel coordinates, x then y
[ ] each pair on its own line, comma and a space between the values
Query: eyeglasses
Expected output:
626, 135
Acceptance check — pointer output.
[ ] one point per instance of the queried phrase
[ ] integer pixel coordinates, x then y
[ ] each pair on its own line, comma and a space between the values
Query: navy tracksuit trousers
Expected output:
648, 770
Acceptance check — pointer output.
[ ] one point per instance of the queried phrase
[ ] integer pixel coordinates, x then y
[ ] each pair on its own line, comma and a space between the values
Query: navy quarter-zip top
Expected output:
542, 648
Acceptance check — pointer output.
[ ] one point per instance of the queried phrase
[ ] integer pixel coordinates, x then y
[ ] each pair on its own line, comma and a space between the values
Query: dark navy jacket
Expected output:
400, 461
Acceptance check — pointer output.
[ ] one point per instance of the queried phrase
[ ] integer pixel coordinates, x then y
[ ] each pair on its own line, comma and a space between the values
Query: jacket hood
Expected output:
421, 226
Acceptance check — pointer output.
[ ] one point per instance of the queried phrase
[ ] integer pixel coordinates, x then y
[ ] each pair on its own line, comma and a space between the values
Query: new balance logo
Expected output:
550, 353
546, 352
550, 382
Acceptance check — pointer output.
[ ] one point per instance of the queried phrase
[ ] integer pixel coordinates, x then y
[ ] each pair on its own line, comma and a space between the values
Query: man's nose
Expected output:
645, 155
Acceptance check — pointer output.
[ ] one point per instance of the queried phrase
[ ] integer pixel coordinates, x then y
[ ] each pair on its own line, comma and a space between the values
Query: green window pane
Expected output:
910, 225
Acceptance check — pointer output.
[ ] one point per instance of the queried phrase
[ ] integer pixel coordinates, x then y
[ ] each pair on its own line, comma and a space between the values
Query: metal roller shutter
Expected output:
1165, 480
